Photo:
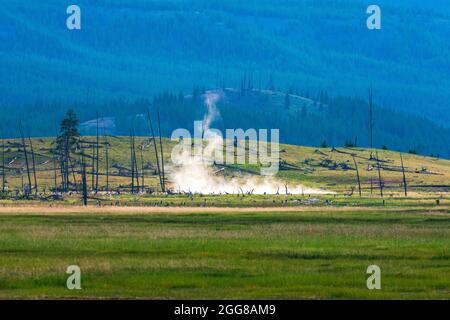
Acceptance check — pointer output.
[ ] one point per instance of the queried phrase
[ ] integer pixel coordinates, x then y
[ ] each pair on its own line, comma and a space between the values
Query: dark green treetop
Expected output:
68, 131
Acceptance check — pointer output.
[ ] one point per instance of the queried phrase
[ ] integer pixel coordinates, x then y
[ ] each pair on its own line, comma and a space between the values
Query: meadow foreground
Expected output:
308, 252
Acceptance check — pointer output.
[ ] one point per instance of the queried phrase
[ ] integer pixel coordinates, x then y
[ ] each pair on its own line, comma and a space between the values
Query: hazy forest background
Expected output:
302, 66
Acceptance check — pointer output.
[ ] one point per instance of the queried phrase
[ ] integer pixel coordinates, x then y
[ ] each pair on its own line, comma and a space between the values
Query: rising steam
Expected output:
194, 175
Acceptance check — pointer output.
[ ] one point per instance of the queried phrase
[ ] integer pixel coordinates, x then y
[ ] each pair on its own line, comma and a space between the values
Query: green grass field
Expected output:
305, 253
235, 246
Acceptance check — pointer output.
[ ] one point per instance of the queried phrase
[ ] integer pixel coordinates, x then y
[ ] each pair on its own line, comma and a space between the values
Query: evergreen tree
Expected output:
67, 142
68, 132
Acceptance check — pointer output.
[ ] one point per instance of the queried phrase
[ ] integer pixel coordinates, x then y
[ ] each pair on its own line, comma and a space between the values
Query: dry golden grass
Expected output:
421, 171
38, 209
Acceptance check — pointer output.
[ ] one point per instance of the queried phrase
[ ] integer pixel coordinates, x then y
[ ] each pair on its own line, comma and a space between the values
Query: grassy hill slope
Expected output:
326, 168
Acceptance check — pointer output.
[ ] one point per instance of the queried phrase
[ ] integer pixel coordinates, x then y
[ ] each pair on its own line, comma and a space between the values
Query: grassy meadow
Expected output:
204, 253
234, 246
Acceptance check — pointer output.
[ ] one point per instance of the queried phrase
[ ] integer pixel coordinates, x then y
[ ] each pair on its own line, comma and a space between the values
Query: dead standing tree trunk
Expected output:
61, 167
106, 160
72, 168
83, 178
135, 165
156, 151
162, 155
142, 169
93, 168
55, 174
26, 157
404, 176
97, 159
34, 166
57, 157
379, 175
357, 175
60, 157
66, 163
132, 162
3, 164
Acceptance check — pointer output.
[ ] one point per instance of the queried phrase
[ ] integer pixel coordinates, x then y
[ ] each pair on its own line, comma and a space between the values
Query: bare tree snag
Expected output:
93, 168
135, 165
142, 169
404, 176
3, 163
371, 117
357, 175
96, 161
83, 178
106, 160
55, 174
34, 166
379, 176
25, 155
162, 154
156, 150
132, 162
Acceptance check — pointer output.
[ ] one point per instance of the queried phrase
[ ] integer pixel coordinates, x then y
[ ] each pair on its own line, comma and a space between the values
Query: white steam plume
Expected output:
194, 175
211, 98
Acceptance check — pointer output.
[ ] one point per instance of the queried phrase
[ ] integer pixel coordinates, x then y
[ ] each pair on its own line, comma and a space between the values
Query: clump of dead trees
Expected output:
76, 162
